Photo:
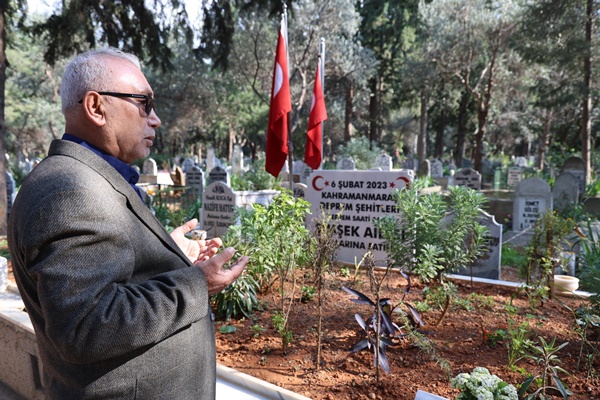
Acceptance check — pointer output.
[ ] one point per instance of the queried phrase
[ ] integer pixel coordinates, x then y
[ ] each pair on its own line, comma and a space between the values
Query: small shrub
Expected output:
480, 384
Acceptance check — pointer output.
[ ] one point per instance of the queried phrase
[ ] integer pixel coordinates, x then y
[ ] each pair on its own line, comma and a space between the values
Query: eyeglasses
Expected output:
148, 100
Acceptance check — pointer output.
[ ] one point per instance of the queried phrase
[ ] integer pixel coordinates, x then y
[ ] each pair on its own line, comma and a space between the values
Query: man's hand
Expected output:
217, 277
195, 250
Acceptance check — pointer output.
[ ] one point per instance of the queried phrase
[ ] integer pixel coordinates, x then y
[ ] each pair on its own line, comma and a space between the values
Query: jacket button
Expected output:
212, 317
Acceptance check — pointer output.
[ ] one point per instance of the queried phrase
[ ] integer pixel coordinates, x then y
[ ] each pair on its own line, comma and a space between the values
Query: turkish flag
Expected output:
318, 114
281, 105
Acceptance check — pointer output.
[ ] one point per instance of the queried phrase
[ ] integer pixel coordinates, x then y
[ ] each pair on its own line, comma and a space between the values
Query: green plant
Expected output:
518, 341
279, 237
307, 293
255, 178
362, 151
589, 258
514, 256
280, 321
545, 355
345, 272
258, 330
436, 235
544, 253
588, 329
480, 384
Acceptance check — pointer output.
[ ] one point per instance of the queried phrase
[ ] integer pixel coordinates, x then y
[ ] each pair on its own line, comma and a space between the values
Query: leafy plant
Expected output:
544, 251
545, 356
379, 330
518, 342
480, 384
589, 257
436, 235
307, 293
361, 150
255, 178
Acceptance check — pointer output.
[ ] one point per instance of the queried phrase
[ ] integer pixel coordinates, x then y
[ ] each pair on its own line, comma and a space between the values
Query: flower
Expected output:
481, 385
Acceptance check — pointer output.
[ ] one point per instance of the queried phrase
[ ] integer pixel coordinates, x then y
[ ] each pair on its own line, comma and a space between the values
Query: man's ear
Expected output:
94, 108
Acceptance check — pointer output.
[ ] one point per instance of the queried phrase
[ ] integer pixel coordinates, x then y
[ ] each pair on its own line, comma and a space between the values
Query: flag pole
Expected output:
289, 127
322, 67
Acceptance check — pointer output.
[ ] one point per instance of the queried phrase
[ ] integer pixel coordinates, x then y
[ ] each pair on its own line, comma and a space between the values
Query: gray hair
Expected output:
88, 72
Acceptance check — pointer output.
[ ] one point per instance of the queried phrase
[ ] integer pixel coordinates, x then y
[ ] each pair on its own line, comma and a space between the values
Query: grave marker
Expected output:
532, 198
346, 163
488, 265
576, 166
218, 209
195, 180
468, 177
565, 191
515, 175
218, 174
384, 162
237, 160
149, 167
437, 169
355, 198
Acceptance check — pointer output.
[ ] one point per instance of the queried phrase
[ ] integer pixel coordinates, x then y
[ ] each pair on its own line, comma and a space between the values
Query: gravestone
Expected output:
218, 209
187, 165
195, 180
468, 177
437, 169
532, 198
497, 179
576, 166
425, 168
410, 163
565, 192
384, 161
306, 171
515, 175
149, 167
355, 199
346, 163
299, 190
488, 264
237, 160
11, 191
218, 174
521, 162
211, 161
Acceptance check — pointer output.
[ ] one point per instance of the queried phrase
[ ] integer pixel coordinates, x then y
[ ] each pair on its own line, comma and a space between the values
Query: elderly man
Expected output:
120, 307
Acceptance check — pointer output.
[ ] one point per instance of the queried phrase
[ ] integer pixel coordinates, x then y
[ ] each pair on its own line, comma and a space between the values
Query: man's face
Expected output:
130, 131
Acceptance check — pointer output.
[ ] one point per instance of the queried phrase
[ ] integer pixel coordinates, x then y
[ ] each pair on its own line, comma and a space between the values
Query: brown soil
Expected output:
458, 339
255, 348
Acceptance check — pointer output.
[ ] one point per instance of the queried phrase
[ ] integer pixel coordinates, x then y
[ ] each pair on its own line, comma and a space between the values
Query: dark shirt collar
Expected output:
128, 172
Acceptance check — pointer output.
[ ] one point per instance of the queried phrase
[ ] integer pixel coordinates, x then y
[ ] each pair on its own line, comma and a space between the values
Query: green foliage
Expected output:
544, 252
361, 150
238, 299
225, 329
589, 258
514, 256
518, 341
307, 293
280, 323
545, 355
256, 178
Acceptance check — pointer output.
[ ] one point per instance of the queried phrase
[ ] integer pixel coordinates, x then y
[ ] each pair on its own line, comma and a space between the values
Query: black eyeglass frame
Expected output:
148, 100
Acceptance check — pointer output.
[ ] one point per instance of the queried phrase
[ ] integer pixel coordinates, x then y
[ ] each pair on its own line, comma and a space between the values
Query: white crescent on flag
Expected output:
312, 105
278, 79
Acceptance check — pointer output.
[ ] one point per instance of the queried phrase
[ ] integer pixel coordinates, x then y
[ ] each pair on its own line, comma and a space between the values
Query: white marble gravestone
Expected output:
532, 198
384, 161
149, 167
218, 209
237, 160
211, 161
515, 175
187, 165
346, 163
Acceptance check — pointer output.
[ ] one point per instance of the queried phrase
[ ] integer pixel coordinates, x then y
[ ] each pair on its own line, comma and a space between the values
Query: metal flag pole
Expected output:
322, 75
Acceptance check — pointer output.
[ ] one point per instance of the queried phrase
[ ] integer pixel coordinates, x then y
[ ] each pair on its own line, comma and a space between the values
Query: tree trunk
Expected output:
461, 133
374, 111
348, 115
544, 141
422, 139
438, 151
3, 66
481, 119
586, 123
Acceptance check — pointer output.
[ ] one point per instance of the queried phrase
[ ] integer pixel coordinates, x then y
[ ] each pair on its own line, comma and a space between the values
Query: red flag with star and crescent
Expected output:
281, 105
318, 114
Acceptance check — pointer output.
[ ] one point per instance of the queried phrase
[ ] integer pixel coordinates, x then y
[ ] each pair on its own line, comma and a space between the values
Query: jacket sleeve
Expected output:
100, 282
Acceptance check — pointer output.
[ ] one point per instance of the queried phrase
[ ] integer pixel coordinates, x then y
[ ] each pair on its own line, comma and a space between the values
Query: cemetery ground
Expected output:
469, 336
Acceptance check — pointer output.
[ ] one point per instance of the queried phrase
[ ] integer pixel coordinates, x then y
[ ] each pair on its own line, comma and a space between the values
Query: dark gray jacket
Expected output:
118, 310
